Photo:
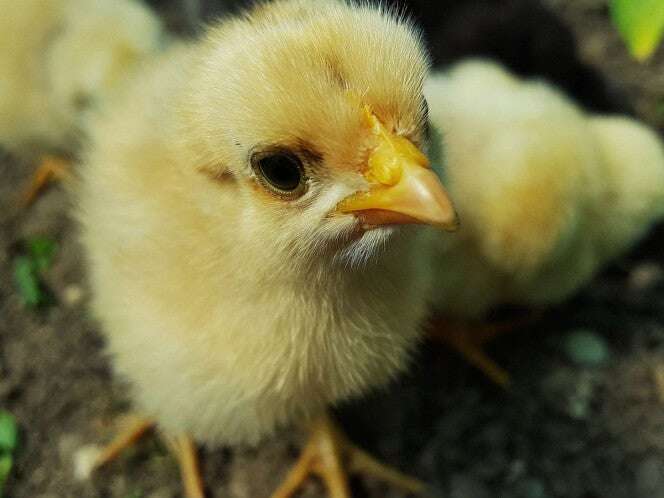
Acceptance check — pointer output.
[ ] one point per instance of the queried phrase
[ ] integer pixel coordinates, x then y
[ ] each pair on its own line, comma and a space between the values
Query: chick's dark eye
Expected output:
282, 171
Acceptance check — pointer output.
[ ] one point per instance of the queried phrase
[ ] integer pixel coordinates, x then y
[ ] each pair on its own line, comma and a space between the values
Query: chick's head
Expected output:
312, 113
97, 47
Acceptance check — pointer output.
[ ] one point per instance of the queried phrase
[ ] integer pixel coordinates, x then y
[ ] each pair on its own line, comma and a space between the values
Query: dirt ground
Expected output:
584, 418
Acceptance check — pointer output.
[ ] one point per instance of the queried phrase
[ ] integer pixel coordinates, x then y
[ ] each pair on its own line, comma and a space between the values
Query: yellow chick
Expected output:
240, 212
546, 194
58, 59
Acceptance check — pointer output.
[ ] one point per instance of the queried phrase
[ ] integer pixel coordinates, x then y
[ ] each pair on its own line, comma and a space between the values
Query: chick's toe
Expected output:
50, 168
330, 455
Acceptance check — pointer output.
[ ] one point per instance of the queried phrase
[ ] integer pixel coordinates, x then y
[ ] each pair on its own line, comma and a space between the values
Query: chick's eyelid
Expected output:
310, 159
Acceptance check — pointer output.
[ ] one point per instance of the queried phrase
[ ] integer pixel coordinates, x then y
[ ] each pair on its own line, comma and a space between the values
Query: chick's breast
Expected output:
228, 309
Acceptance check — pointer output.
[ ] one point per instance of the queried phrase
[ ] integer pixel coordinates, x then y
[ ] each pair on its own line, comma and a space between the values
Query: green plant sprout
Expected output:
640, 23
8, 444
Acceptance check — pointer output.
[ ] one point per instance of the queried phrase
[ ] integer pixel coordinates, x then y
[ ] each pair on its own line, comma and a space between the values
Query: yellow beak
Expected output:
403, 188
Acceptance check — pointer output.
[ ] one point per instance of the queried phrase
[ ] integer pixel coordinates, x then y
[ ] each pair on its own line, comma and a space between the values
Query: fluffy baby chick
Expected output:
546, 193
240, 211
59, 58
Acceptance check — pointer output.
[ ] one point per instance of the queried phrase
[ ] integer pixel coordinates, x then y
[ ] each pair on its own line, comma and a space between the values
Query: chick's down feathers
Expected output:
546, 193
60, 59
231, 309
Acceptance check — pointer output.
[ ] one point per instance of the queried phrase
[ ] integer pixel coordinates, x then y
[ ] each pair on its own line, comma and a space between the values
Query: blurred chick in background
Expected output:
546, 194
61, 59
239, 210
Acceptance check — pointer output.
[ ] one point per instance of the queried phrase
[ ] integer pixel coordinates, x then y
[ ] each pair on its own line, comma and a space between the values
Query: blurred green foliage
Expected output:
28, 268
640, 23
8, 444
41, 250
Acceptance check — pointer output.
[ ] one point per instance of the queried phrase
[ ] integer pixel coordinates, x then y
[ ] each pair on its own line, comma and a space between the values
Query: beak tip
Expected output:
449, 223
453, 225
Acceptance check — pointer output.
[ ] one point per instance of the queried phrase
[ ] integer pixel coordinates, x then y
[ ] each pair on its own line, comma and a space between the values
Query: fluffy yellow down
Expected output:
61, 58
546, 193
228, 311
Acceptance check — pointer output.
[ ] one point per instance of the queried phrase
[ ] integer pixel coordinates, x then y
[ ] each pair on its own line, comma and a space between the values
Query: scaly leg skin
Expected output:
136, 428
331, 456
50, 168
182, 448
185, 451
468, 339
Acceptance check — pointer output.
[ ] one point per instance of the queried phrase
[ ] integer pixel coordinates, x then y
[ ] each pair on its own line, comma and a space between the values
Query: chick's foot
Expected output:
49, 169
182, 447
330, 455
468, 339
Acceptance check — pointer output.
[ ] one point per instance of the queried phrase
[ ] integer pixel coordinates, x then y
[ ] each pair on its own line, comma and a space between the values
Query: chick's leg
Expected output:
468, 341
469, 338
182, 447
185, 451
50, 168
332, 457
136, 428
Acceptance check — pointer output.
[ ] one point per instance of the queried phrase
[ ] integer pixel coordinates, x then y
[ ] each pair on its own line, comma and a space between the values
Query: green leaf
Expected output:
28, 267
8, 432
42, 251
641, 24
6, 462
27, 281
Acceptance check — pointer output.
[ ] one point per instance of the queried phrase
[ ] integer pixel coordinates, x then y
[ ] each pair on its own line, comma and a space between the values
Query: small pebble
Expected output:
586, 348
73, 294
84, 461
645, 276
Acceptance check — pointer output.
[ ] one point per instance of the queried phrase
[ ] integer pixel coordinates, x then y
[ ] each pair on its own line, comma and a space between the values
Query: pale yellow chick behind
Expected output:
547, 194
59, 59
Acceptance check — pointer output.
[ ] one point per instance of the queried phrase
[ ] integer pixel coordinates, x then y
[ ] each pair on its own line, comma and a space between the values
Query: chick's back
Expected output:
532, 176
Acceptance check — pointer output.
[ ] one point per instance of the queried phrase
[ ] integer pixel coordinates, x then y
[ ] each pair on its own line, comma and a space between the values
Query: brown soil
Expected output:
565, 430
